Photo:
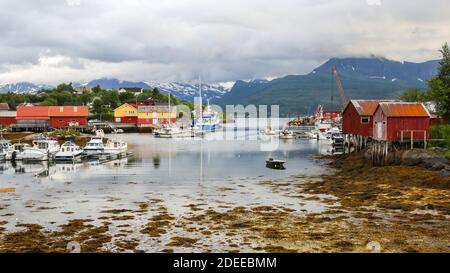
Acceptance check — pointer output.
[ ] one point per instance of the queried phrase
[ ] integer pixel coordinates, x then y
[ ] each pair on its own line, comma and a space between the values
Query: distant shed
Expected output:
401, 121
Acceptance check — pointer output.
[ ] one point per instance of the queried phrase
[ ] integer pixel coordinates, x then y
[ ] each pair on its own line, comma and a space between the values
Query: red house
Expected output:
51, 116
65, 116
401, 121
358, 117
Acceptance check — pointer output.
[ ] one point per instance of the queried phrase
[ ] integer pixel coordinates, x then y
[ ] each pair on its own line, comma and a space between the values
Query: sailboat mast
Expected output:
170, 111
201, 101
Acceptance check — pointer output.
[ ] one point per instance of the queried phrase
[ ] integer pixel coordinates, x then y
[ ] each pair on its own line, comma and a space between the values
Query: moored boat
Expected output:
43, 149
15, 151
94, 147
69, 151
116, 147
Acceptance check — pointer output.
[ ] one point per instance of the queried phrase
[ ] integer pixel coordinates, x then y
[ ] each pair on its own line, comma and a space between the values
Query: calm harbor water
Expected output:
177, 171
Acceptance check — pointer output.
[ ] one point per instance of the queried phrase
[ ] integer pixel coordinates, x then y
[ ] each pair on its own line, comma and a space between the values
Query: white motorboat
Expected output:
69, 151
171, 132
94, 147
43, 149
15, 151
116, 147
287, 134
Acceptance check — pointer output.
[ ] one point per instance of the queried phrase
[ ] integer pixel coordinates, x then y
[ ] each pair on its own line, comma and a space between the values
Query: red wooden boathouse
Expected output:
400, 122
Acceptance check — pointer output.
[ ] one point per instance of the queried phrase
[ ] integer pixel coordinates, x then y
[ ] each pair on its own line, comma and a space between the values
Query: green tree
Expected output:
85, 97
97, 89
126, 96
64, 87
98, 106
412, 95
439, 86
49, 102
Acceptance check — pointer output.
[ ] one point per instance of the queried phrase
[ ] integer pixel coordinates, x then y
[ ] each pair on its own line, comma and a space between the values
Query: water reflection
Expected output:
182, 161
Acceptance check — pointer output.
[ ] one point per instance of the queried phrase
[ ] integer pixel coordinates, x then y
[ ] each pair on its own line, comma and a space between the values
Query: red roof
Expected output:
367, 107
141, 103
32, 112
68, 111
44, 112
403, 109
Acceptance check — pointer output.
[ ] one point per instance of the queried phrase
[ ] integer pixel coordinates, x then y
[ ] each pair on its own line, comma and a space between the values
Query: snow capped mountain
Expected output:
187, 91
22, 87
184, 91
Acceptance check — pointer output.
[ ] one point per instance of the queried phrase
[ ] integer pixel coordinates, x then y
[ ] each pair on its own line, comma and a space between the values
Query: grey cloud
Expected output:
222, 40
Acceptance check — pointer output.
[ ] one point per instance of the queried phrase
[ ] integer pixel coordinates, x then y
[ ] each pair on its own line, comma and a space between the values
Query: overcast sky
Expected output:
51, 41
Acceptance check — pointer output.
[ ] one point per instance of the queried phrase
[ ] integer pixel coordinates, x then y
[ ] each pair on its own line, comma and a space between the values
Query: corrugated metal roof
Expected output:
404, 109
68, 111
367, 107
32, 112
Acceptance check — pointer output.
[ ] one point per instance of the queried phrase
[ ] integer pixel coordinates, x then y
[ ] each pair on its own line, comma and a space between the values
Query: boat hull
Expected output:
93, 152
68, 157
275, 164
210, 127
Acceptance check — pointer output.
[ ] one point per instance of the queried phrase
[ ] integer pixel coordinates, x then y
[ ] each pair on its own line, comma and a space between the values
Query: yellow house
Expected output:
126, 113
157, 114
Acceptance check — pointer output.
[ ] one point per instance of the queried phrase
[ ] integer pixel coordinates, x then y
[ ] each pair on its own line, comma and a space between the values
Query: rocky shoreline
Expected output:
368, 209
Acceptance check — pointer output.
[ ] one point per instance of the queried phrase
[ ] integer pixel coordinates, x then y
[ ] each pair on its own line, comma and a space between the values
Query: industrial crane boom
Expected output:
339, 86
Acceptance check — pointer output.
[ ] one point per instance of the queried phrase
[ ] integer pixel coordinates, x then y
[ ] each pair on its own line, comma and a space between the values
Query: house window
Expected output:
365, 120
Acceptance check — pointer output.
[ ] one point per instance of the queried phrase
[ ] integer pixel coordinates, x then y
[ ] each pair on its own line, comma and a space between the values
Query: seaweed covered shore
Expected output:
367, 209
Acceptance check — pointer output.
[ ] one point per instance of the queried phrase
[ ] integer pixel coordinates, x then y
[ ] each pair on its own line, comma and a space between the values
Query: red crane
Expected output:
339, 86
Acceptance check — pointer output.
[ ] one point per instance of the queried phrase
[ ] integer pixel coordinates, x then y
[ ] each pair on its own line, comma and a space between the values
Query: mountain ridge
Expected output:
362, 78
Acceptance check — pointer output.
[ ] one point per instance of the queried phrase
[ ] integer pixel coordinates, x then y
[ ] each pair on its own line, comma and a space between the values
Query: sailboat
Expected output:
171, 130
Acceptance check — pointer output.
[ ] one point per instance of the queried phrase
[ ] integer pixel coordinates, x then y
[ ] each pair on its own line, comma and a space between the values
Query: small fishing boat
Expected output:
275, 164
69, 151
43, 149
116, 147
287, 134
94, 147
15, 151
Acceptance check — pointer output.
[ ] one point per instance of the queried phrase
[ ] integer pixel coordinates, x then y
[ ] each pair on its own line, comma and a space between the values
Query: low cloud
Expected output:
50, 41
